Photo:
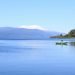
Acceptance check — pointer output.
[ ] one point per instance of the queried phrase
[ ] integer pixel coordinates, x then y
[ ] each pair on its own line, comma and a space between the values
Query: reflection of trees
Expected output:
72, 43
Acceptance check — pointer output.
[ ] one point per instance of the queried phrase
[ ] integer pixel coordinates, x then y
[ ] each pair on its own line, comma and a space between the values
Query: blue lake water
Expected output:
36, 57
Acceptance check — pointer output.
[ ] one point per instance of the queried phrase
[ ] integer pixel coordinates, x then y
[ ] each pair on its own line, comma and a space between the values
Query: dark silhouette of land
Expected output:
71, 34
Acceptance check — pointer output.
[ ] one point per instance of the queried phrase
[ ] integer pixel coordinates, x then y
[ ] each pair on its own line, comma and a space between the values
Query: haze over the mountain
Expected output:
20, 33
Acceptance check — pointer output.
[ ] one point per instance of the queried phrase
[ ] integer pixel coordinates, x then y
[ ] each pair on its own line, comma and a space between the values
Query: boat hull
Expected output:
59, 43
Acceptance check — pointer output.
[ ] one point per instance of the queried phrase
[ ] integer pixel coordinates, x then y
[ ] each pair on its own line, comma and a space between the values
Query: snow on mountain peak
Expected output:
33, 27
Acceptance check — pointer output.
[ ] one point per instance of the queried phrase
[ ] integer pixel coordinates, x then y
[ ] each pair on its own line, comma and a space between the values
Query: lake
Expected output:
36, 57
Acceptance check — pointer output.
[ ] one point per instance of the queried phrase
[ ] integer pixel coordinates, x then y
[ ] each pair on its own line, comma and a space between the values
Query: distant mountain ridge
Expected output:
12, 33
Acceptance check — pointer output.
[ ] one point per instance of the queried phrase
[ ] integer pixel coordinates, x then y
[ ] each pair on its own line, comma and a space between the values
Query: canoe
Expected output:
61, 43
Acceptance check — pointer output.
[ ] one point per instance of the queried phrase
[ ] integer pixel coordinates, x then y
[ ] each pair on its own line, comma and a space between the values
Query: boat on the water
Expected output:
61, 43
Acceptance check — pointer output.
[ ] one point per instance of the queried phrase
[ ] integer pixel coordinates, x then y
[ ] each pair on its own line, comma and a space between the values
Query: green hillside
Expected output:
71, 34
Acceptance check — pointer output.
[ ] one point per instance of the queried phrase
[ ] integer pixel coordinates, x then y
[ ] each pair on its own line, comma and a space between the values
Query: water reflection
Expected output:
7, 49
72, 43
36, 57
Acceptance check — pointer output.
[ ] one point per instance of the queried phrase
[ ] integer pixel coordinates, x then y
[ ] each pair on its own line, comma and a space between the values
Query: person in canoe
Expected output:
61, 43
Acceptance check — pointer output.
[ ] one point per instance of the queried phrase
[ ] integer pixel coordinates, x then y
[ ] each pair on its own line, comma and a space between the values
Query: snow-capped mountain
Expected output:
33, 27
20, 33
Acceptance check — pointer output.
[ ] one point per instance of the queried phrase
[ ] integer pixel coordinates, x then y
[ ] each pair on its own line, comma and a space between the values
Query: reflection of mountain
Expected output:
21, 33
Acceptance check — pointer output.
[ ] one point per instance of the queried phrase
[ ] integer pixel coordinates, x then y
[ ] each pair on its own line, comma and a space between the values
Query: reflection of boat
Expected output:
61, 43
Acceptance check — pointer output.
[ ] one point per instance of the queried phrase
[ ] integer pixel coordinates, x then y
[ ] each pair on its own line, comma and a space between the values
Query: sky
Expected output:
55, 15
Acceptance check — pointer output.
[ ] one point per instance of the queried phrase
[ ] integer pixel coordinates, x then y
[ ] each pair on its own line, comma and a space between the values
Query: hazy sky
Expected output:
56, 15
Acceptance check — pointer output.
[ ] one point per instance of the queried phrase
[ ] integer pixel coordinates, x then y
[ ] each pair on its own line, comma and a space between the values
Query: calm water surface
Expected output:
36, 57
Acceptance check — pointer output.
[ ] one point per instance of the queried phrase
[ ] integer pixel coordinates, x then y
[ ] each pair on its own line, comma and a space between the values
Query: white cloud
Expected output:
33, 27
